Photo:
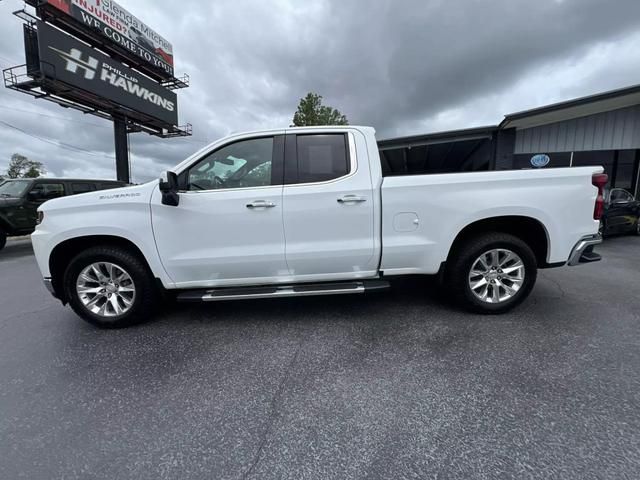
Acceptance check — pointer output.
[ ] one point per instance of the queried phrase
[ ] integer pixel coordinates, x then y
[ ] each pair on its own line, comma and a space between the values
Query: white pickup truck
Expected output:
312, 211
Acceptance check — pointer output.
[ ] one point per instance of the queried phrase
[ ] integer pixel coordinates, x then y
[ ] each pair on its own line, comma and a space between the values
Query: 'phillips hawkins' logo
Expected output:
112, 76
74, 62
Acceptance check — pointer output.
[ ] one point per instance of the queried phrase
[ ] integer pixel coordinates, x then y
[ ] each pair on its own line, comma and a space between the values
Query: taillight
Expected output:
599, 180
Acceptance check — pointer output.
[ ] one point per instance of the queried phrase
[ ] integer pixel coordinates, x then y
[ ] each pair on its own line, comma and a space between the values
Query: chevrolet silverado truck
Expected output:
312, 211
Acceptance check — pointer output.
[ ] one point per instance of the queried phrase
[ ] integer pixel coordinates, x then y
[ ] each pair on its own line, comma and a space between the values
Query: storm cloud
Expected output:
404, 67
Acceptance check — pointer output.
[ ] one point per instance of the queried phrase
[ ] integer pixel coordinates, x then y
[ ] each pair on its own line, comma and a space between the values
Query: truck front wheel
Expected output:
110, 287
492, 273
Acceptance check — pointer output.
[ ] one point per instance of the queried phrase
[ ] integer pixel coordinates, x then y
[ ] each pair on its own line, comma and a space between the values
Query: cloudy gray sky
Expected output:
402, 66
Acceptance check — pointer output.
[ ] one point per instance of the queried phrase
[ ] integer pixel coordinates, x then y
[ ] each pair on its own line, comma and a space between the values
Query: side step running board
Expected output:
275, 291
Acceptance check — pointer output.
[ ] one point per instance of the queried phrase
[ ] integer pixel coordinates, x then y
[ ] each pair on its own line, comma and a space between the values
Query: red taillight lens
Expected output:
599, 180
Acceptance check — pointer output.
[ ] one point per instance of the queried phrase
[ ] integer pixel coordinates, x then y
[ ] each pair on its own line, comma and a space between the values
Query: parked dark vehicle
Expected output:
622, 213
20, 199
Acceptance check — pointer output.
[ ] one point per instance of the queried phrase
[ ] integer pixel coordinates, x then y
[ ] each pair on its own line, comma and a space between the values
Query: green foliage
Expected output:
21, 167
312, 112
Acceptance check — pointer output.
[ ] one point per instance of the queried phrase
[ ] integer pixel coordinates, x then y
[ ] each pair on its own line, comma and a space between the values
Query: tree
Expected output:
312, 112
21, 167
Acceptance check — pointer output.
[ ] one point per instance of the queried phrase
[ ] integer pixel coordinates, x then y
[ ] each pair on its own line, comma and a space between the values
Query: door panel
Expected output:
227, 228
212, 238
329, 226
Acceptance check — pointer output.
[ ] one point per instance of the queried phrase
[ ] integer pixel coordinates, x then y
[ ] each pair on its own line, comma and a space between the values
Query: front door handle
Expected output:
352, 199
260, 204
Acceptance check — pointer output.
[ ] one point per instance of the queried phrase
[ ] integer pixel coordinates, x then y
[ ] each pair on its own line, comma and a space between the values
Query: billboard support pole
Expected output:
122, 149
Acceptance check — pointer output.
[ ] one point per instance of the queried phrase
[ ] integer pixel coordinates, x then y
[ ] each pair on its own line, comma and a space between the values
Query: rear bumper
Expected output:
583, 251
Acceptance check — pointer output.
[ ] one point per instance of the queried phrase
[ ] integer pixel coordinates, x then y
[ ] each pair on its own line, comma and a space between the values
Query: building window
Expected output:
625, 171
621, 166
602, 158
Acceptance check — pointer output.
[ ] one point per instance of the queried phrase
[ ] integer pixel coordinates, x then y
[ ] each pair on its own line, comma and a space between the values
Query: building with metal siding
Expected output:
602, 129
613, 130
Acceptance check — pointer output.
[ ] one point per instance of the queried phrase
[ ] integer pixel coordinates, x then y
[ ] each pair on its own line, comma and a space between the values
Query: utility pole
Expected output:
122, 149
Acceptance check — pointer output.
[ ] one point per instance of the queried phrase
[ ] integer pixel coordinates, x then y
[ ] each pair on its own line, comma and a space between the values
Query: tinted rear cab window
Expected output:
322, 157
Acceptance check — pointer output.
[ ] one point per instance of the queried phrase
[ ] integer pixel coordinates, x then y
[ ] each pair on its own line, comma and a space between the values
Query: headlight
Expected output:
40, 217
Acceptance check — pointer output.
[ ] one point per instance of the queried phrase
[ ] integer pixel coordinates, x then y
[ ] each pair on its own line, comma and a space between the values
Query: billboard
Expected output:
121, 28
65, 59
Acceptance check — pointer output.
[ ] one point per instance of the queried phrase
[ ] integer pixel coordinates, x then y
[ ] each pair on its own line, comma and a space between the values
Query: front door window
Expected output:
46, 191
245, 164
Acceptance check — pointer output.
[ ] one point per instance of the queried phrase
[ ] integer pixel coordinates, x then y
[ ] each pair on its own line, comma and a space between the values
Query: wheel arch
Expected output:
64, 252
528, 229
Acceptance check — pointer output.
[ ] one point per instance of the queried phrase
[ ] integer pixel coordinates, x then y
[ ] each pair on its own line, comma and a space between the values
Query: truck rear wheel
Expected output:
110, 287
3, 239
492, 273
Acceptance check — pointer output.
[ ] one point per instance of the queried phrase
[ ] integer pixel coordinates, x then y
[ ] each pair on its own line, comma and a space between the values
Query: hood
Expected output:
136, 194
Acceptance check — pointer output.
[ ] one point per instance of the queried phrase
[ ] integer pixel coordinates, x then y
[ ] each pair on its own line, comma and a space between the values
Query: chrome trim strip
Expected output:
581, 246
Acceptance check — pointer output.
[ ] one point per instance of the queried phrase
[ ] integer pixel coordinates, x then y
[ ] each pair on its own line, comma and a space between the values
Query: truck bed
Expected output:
422, 214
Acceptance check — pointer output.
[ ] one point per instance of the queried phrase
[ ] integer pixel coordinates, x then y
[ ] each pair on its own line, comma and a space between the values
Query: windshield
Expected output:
14, 188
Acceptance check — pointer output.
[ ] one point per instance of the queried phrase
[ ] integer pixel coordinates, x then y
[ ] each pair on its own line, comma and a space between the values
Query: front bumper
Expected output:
583, 251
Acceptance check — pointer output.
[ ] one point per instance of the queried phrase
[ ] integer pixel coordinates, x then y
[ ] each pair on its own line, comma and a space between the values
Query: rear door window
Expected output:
77, 188
322, 158
619, 195
108, 186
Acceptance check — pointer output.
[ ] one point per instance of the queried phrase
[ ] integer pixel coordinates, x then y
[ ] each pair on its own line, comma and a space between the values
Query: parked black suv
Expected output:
622, 213
20, 199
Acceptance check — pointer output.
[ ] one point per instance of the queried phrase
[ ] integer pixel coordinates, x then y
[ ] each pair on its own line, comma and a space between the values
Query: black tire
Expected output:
146, 293
3, 239
463, 259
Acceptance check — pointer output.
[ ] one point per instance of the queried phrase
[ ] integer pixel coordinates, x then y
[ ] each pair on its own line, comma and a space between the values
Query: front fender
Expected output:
131, 222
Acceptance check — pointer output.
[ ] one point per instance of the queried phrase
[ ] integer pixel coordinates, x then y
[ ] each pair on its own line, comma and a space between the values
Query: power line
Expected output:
54, 116
188, 139
62, 145
12, 62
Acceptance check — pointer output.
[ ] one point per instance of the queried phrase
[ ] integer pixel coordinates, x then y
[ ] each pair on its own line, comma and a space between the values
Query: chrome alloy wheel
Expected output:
496, 276
106, 289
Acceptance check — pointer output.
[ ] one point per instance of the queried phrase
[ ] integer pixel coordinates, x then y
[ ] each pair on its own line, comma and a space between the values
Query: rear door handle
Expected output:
352, 199
260, 204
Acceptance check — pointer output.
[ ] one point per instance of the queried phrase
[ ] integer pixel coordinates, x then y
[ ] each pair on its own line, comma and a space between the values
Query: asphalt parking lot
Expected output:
394, 385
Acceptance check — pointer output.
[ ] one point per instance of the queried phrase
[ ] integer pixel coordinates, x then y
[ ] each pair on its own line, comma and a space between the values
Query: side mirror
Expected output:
169, 189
